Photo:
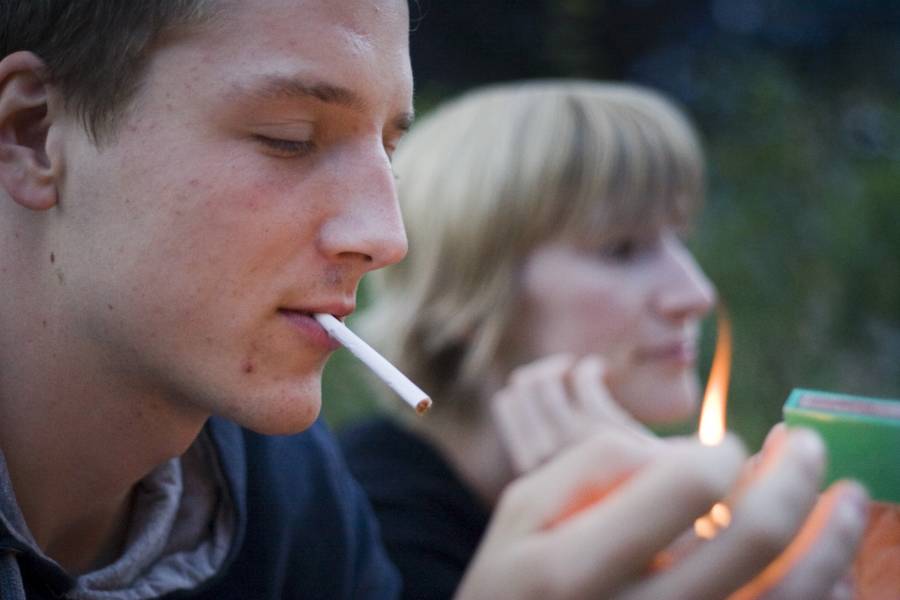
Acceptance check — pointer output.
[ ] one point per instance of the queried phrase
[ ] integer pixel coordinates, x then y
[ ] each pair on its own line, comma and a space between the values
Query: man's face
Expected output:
248, 186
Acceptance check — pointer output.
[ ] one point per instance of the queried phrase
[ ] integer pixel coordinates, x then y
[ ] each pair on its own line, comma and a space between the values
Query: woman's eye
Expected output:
631, 249
286, 148
623, 250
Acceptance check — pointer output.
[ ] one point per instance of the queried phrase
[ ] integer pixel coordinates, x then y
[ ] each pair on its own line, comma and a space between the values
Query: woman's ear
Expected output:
27, 172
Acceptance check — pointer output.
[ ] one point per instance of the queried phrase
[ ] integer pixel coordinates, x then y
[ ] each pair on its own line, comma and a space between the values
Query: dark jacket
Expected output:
303, 527
431, 521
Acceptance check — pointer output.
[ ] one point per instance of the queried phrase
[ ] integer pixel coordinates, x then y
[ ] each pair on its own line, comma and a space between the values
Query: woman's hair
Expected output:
486, 178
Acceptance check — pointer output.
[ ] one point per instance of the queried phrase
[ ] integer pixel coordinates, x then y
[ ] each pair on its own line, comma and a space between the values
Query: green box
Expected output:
862, 436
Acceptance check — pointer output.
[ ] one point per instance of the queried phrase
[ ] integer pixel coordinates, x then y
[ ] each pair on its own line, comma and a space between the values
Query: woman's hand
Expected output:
645, 496
825, 543
553, 402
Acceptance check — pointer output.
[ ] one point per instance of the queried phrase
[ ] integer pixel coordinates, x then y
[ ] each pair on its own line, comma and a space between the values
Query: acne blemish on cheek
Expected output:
248, 367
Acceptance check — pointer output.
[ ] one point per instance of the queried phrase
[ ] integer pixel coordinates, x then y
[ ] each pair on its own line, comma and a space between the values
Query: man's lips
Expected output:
304, 323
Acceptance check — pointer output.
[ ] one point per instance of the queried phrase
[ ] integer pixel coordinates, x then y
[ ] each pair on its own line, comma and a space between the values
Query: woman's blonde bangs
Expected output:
486, 178
634, 164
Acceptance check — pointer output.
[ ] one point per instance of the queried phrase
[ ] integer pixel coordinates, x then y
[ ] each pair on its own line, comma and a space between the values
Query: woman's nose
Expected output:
686, 292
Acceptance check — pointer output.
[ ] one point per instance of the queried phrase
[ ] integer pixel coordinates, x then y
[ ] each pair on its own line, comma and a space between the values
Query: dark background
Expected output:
798, 104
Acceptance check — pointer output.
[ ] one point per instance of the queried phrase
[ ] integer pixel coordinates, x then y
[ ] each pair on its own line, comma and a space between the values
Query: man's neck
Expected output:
95, 541
75, 447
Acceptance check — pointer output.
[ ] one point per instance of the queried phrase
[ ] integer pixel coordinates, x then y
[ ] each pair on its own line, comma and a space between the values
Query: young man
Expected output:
184, 182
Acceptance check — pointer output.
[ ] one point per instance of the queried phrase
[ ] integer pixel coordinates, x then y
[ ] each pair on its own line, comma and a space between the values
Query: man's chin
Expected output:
285, 427
282, 426
285, 415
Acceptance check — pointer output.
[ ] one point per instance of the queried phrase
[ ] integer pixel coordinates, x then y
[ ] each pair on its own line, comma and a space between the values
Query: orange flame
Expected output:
712, 419
712, 415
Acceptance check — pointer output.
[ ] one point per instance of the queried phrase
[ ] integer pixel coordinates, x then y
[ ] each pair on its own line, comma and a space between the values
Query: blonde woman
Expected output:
547, 292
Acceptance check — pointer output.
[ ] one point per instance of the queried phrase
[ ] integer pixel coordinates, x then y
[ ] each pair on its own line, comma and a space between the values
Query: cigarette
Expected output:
379, 365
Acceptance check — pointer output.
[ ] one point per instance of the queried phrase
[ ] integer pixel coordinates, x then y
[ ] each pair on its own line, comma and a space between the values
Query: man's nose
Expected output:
365, 226
685, 292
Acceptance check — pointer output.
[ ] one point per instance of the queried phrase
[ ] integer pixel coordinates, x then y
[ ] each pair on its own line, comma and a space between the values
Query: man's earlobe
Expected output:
27, 172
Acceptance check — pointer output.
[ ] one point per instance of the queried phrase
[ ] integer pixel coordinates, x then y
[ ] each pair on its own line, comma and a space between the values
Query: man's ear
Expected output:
26, 170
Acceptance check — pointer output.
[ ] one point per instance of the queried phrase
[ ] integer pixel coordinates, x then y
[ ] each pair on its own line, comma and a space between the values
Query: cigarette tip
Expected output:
423, 405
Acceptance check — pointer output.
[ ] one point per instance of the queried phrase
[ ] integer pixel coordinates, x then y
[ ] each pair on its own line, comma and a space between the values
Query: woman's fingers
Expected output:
521, 429
764, 521
554, 402
591, 523
517, 558
547, 381
533, 412
592, 397
615, 541
816, 564
596, 464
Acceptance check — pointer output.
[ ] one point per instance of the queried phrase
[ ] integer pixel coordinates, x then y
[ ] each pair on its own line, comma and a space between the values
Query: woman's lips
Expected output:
309, 329
681, 354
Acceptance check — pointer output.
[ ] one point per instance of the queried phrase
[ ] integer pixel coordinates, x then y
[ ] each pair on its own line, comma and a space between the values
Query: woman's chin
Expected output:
660, 402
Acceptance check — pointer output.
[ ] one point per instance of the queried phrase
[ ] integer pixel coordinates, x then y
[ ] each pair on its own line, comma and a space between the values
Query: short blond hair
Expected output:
487, 177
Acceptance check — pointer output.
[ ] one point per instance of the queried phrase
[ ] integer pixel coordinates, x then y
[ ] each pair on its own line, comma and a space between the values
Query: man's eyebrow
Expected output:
278, 87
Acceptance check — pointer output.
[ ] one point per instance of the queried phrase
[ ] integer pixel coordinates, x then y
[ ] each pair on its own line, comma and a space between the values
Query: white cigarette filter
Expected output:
388, 373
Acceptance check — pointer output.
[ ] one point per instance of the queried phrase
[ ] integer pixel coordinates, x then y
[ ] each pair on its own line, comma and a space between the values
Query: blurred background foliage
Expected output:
798, 104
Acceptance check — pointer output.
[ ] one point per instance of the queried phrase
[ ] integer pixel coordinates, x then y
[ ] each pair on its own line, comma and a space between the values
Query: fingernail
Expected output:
851, 518
855, 505
809, 445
